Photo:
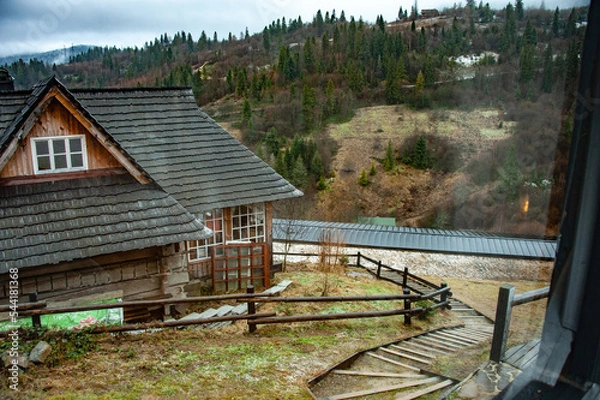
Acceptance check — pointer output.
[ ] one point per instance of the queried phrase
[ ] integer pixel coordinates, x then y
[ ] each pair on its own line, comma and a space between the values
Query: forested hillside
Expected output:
286, 88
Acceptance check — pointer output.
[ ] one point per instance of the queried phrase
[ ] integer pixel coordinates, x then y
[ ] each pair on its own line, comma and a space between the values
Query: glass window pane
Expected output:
75, 145
76, 160
41, 148
44, 163
59, 146
60, 161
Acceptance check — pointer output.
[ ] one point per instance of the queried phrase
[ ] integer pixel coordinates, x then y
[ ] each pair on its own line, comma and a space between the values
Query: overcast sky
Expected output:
31, 26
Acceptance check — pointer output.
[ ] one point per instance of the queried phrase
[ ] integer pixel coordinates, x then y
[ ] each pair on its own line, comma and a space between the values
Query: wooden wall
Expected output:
56, 120
144, 274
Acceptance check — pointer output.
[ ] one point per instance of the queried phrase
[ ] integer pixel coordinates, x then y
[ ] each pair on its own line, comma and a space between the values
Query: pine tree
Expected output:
527, 64
299, 176
530, 34
420, 83
364, 179
571, 27
421, 159
556, 23
316, 166
309, 101
309, 55
266, 40
389, 162
519, 11
246, 113
373, 170
548, 71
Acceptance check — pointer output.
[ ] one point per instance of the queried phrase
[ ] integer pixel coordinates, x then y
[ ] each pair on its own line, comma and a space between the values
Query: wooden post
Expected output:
503, 313
251, 309
36, 320
379, 269
444, 295
405, 277
407, 316
358, 260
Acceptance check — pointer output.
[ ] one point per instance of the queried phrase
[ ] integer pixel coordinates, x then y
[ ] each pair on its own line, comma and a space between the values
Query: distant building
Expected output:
430, 13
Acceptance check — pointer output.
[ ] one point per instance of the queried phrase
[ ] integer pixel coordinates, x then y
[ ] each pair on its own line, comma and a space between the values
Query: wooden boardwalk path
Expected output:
402, 367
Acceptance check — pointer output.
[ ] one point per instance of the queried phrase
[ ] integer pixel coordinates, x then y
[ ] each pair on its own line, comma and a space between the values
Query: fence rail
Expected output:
507, 299
439, 295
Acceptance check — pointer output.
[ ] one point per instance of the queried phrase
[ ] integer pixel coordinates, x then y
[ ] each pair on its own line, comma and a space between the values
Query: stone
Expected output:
40, 352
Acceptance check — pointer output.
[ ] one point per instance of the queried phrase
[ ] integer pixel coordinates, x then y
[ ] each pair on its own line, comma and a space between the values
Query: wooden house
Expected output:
128, 193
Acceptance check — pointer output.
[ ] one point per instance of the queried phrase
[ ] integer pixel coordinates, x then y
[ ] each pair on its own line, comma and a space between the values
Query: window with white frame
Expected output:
59, 154
199, 250
248, 223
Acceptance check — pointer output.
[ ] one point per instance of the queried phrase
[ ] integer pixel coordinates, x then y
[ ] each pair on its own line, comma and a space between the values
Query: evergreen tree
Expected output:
329, 108
246, 113
389, 162
309, 55
266, 40
316, 166
530, 34
527, 64
510, 176
420, 83
571, 27
364, 179
519, 11
509, 34
421, 159
556, 23
548, 71
309, 101
299, 176
373, 170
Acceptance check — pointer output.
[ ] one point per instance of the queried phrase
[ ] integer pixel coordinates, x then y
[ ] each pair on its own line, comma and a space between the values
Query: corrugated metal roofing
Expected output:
415, 239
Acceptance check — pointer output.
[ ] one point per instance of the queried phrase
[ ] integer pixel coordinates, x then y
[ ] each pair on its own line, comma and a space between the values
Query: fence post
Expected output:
36, 320
407, 316
405, 277
251, 309
358, 259
379, 270
503, 313
444, 295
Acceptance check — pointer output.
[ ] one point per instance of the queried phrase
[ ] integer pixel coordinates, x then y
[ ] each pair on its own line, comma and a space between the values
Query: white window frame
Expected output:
199, 250
52, 156
248, 223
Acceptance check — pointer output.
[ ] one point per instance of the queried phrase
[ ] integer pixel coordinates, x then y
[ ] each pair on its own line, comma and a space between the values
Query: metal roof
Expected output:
415, 239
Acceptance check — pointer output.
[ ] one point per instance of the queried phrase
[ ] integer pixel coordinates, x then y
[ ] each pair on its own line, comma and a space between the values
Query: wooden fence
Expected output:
506, 301
437, 294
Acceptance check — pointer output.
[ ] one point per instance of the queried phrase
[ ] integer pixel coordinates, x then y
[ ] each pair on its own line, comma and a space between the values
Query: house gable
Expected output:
55, 113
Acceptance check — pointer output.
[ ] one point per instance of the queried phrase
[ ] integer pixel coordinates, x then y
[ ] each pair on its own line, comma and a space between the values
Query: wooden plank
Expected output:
382, 358
468, 335
429, 340
404, 355
427, 390
382, 389
423, 347
457, 338
377, 374
458, 342
415, 352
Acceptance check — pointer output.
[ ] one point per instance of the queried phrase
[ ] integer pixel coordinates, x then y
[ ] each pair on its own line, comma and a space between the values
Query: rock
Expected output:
40, 352
22, 360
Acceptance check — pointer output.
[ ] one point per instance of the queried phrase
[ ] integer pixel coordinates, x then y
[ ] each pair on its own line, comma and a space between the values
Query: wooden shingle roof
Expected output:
51, 222
184, 150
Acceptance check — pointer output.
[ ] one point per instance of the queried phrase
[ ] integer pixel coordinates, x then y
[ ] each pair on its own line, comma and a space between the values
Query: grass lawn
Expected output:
229, 363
